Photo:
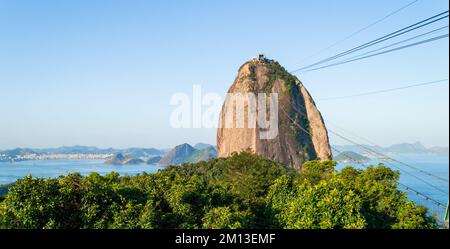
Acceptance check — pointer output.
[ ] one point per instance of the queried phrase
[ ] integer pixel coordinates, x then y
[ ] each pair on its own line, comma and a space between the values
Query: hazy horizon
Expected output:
192, 144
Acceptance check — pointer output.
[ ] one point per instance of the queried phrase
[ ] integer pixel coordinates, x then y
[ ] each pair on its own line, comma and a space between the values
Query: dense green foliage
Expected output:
242, 191
278, 72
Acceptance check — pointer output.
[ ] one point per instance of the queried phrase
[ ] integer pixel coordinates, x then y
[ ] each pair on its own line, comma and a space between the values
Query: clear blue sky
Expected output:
102, 72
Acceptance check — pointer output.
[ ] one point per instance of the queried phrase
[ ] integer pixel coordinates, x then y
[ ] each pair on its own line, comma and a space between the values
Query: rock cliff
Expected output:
301, 136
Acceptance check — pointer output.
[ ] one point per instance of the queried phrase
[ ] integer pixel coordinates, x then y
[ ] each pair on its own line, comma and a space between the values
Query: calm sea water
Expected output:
10, 172
434, 164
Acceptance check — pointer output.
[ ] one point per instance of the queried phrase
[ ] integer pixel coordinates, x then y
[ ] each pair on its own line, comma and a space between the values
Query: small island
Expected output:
351, 157
119, 159
154, 160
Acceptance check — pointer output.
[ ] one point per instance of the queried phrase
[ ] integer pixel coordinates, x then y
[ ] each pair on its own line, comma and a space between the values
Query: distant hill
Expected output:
401, 148
185, 153
358, 149
416, 147
202, 155
18, 152
178, 155
201, 146
440, 150
133, 161
142, 152
201, 151
77, 149
154, 160
345, 156
119, 159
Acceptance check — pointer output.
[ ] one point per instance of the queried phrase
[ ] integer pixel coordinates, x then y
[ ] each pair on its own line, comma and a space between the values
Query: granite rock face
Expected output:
301, 132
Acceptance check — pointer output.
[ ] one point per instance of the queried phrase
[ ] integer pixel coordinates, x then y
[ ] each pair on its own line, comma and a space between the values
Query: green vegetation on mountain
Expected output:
185, 153
202, 155
201, 146
278, 72
178, 155
241, 191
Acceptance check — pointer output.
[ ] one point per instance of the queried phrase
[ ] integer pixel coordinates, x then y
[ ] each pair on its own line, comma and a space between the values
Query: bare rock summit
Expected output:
301, 136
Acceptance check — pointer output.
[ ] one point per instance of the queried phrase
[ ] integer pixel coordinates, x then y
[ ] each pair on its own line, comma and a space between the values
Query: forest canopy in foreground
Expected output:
241, 191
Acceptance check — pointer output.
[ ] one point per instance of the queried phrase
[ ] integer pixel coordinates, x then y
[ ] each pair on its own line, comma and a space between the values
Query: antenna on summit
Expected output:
261, 57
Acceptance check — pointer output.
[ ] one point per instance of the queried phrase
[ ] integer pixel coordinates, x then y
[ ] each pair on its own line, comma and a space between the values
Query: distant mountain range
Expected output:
133, 152
186, 153
402, 148
178, 155
183, 153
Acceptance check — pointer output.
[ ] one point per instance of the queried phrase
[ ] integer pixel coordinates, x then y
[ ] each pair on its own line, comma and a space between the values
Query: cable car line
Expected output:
383, 158
400, 42
361, 30
426, 197
386, 90
374, 144
380, 53
394, 34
